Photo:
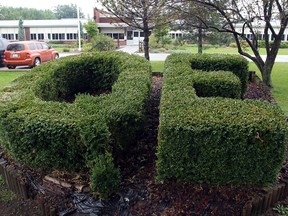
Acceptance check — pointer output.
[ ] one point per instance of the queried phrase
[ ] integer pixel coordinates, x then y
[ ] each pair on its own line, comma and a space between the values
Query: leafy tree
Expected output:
67, 11
11, 13
240, 15
91, 29
160, 32
21, 32
144, 15
193, 19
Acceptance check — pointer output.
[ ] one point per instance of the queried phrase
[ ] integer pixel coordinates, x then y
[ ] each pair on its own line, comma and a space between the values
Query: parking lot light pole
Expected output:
79, 33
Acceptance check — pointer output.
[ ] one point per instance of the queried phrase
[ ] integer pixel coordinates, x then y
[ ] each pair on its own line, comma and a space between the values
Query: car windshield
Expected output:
14, 47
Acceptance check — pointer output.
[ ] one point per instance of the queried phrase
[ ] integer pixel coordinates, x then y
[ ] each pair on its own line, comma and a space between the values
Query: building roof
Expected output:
41, 23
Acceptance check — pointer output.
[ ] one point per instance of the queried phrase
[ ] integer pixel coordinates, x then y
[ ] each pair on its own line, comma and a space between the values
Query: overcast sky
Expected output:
85, 5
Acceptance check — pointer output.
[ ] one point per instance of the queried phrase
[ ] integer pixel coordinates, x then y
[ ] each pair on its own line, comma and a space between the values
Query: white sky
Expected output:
85, 5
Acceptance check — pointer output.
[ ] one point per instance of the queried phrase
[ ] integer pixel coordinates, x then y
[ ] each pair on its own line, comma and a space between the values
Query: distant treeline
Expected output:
61, 11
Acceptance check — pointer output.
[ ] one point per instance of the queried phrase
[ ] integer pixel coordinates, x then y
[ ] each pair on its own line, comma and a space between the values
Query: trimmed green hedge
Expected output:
216, 140
37, 127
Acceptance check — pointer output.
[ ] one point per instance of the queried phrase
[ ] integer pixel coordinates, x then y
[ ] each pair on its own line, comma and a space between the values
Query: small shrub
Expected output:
105, 177
103, 43
66, 50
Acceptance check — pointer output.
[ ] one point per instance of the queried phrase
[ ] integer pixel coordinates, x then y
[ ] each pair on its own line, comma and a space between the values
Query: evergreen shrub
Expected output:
51, 119
216, 140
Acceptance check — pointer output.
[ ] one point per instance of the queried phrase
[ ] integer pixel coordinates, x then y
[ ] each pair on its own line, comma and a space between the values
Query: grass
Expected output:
279, 79
157, 66
216, 50
7, 77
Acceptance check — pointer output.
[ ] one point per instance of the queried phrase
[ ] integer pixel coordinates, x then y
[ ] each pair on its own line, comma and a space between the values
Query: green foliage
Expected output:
103, 43
217, 84
67, 11
105, 178
282, 210
216, 140
16, 13
37, 129
91, 29
234, 63
261, 44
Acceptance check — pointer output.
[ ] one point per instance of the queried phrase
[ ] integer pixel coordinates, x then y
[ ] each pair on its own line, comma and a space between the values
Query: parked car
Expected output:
3, 45
30, 53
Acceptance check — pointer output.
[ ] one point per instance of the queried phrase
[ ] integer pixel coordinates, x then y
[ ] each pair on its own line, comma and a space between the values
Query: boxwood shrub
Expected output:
50, 118
234, 63
214, 139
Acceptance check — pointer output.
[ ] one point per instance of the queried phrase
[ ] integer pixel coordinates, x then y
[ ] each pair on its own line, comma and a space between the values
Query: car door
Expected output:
42, 52
48, 52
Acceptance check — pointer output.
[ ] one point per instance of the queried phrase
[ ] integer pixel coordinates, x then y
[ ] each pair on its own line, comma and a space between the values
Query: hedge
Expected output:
216, 140
50, 119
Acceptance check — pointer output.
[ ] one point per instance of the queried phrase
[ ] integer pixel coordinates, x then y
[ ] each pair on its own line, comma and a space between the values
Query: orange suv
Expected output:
31, 53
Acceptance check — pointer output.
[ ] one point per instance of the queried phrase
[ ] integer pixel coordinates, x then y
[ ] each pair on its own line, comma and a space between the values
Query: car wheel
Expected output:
56, 56
11, 66
37, 62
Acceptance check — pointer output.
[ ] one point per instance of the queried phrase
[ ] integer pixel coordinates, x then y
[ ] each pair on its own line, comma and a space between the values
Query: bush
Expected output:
103, 43
215, 140
39, 128
105, 178
238, 65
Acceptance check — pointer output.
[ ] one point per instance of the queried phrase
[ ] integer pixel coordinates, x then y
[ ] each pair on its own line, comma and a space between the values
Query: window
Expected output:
115, 36
41, 36
49, 36
15, 47
121, 36
141, 34
136, 34
45, 46
283, 37
62, 36
8, 36
16, 36
39, 46
31, 46
33, 37
55, 37
129, 35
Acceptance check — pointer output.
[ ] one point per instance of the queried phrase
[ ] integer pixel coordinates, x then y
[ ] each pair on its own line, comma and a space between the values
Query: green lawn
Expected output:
279, 79
224, 50
7, 77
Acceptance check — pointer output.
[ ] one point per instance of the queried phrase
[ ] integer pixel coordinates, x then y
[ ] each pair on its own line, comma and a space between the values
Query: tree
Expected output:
240, 15
91, 29
144, 15
21, 32
11, 13
67, 11
189, 20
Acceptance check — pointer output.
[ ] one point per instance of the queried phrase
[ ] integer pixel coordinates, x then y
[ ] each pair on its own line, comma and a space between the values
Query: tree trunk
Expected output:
146, 44
146, 40
267, 71
266, 77
200, 40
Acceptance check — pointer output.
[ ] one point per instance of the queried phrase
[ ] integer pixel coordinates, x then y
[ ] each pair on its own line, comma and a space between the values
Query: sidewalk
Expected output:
153, 56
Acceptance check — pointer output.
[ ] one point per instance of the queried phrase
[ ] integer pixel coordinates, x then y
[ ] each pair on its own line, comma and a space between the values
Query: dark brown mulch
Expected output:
140, 193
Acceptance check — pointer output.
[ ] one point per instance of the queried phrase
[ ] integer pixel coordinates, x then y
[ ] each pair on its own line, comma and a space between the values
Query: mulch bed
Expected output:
140, 193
